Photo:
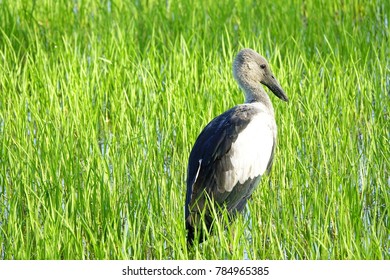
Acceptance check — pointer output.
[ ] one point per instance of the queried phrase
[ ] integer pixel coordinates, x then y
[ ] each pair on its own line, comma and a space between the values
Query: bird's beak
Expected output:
275, 87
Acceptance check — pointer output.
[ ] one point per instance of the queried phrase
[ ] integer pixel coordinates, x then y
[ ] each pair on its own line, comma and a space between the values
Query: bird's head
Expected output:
251, 69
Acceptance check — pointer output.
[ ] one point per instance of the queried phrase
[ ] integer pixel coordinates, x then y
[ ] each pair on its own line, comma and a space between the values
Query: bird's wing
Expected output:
233, 147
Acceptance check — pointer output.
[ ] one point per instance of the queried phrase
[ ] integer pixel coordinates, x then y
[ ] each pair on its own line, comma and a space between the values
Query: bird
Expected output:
235, 149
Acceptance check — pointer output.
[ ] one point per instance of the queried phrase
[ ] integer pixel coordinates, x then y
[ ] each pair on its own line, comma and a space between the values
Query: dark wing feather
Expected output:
207, 159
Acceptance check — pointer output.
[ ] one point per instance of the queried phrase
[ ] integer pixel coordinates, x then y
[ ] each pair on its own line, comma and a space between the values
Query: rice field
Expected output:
101, 102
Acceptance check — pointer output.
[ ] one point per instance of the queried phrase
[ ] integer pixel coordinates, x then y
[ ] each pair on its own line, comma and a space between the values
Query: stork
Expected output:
235, 149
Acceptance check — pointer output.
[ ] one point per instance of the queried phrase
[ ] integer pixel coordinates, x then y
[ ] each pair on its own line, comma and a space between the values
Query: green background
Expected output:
101, 102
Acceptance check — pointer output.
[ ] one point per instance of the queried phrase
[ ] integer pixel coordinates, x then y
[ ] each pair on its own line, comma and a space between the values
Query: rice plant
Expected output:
101, 102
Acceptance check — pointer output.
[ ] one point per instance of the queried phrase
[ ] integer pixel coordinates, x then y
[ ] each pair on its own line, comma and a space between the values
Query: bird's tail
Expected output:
198, 227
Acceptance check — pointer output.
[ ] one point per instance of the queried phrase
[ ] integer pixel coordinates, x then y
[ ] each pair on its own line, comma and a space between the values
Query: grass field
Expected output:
101, 102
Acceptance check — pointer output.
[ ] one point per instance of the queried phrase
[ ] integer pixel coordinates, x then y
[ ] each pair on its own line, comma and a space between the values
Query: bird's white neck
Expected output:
257, 94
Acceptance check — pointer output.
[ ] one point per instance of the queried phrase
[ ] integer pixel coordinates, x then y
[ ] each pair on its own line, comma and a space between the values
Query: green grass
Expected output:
101, 102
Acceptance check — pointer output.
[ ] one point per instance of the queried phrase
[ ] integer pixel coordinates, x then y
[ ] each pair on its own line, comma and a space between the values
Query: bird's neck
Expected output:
257, 94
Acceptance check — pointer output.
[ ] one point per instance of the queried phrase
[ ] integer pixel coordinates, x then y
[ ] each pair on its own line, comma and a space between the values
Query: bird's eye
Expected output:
262, 66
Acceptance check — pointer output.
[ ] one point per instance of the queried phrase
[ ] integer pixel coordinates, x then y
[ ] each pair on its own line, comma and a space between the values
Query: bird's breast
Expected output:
252, 150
